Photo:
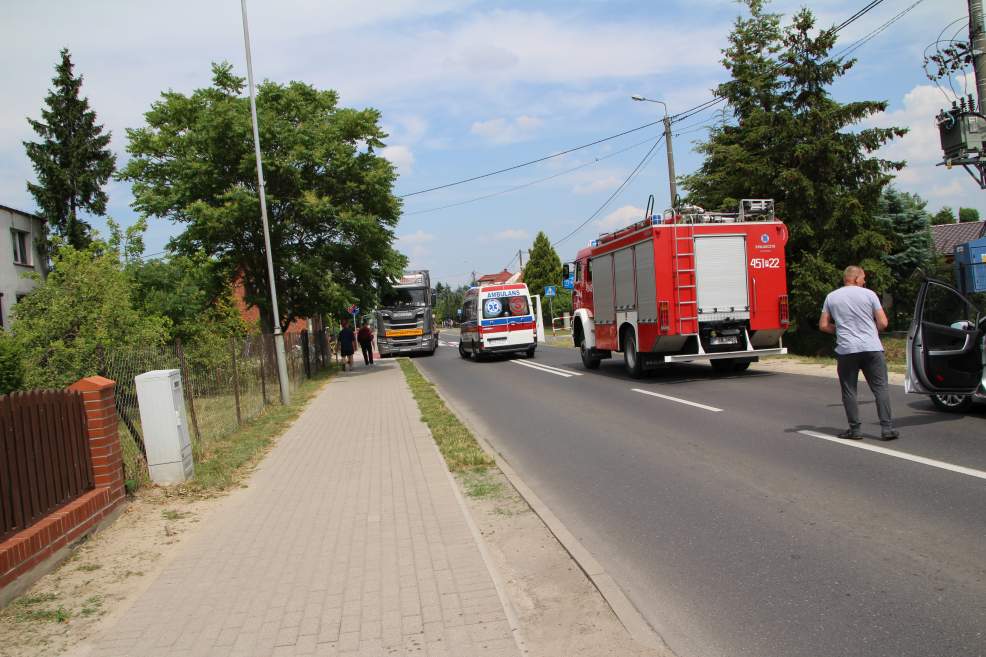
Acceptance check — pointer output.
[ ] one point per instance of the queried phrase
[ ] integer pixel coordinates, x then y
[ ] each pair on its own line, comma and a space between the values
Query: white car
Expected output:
945, 348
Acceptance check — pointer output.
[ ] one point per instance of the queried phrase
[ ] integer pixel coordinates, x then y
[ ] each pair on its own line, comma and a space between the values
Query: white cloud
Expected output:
505, 131
417, 237
401, 157
597, 185
620, 218
512, 234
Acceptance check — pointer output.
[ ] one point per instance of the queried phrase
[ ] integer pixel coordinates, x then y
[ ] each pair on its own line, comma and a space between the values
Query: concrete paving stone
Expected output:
349, 539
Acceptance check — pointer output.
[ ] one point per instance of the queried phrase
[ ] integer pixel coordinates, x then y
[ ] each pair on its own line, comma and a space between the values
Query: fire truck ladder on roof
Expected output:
683, 276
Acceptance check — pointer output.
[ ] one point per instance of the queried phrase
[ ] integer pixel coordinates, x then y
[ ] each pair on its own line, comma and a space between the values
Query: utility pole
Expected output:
520, 256
282, 367
962, 128
673, 187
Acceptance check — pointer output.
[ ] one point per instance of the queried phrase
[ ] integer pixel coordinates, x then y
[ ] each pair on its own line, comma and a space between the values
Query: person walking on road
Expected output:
854, 315
347, 344
365, 339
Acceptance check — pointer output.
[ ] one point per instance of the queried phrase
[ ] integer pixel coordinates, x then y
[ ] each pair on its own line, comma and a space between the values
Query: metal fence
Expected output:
44, 455
226, 383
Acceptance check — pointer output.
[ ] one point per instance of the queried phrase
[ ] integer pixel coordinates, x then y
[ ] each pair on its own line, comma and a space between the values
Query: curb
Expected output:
631, 619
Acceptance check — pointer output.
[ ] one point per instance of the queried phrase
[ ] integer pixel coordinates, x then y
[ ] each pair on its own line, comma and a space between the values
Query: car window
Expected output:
945, 307
495, 307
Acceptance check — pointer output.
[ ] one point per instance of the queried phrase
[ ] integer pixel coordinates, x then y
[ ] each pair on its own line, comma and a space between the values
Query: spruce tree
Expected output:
72, 159
791, 141
903, 217
544, 268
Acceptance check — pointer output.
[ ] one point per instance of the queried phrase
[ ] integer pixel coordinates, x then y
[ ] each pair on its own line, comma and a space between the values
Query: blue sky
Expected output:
468, 87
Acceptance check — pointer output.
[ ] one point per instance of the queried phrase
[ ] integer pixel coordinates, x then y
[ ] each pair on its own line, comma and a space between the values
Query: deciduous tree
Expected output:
72, 160
943, 216
968, 215
544, 268
329, 199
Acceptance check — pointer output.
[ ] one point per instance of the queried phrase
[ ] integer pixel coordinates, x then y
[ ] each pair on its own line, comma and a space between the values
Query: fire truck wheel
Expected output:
631, 358
588, 360
741, 366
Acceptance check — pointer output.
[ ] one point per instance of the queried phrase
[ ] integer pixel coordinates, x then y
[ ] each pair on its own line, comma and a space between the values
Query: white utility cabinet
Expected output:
162, 417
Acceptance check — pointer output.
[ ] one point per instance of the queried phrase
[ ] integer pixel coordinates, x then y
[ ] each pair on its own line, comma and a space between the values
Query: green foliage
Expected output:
82, 310
329, 199
72, 160
449, 300
905, 220
968, 215
543, 268
789, 140
943, 216
11, 367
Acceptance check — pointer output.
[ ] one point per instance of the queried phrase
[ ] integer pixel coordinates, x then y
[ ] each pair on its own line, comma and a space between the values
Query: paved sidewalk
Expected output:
349, 541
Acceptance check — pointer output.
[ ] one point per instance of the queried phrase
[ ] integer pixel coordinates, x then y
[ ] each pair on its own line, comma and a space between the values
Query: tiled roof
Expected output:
947, 236
502, 277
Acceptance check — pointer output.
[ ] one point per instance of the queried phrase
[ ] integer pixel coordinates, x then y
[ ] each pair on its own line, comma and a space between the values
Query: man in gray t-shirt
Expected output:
855, 316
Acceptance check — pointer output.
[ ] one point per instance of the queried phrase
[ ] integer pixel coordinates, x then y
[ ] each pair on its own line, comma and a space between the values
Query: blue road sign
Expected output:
568, 283
550, 290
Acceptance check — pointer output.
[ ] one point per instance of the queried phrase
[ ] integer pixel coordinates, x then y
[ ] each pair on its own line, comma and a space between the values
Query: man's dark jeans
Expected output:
874, 367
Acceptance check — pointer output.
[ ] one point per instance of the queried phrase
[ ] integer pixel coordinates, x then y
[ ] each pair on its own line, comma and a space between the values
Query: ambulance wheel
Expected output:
530, 352
589, 361
632, 360
462, 351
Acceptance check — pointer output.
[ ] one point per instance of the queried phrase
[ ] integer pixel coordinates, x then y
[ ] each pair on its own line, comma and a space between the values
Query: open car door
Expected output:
944, 343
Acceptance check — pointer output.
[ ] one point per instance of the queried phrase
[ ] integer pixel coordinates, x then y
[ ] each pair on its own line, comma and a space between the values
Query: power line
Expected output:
630, 177
525, 164
857, 15
532, 182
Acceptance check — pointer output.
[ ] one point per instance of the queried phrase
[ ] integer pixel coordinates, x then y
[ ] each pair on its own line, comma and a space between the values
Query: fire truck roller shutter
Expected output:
602, 289
623, 267
646, 285
721, 277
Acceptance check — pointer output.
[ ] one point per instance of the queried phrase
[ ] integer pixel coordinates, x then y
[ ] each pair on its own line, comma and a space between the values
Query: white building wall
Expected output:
12, 280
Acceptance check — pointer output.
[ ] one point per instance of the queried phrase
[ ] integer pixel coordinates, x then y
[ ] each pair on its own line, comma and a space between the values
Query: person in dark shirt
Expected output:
347, 344
365, 338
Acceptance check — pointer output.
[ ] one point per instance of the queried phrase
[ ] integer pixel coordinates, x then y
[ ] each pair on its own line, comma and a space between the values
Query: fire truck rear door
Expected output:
720, 277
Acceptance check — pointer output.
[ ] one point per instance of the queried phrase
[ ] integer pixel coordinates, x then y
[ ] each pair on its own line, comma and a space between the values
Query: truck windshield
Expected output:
405, 297
509, 307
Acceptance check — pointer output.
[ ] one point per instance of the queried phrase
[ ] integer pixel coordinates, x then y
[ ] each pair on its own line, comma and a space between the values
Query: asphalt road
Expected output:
734, 533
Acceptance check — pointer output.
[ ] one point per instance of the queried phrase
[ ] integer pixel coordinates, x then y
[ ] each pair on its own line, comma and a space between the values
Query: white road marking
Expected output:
552, 367
446, 343
543, 369
680, 401
901, 455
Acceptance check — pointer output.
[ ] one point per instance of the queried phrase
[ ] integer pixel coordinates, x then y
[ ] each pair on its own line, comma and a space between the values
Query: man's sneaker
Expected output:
889, 435
851, 434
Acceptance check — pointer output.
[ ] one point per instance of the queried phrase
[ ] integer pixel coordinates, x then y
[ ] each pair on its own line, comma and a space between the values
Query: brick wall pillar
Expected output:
99, 395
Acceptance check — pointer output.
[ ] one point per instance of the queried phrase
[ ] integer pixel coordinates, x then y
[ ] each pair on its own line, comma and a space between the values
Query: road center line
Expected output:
542, 369
680, 401
556, 369
901, 455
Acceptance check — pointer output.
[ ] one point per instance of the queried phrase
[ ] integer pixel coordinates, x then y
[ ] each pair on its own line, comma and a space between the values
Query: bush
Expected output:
11, 366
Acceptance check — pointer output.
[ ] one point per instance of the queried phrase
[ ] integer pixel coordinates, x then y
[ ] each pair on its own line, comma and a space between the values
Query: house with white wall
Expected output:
21, 234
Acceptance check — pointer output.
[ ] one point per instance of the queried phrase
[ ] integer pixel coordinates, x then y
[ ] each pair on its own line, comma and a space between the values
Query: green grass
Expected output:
461, 451
89, 567
894, 349
481, 484
221, 461
31, 608
171, 514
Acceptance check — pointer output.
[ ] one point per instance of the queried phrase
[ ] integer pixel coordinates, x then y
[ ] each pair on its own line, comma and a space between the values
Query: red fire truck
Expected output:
685, 286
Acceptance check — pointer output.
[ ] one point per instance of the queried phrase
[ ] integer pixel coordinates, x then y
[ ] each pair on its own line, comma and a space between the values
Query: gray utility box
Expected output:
162, 417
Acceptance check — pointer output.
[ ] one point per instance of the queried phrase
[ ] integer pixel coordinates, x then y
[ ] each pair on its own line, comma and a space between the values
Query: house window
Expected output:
21, 241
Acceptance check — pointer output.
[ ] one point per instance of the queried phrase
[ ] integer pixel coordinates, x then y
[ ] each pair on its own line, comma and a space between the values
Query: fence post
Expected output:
187, 385
99, 394
305, 353
236, 381
263, 362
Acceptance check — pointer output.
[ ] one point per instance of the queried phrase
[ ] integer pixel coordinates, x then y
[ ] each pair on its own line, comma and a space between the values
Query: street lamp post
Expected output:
667, 143
282, 368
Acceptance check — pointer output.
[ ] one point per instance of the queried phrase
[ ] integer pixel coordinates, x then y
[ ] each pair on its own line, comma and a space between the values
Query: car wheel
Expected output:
632, 360
589, 361
952, 403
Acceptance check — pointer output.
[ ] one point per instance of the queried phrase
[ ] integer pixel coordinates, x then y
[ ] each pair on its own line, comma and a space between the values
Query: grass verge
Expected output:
894, 350
456, 443
223, 461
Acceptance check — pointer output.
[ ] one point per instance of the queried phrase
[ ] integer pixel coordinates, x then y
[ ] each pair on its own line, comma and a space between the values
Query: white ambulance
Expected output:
497, 319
